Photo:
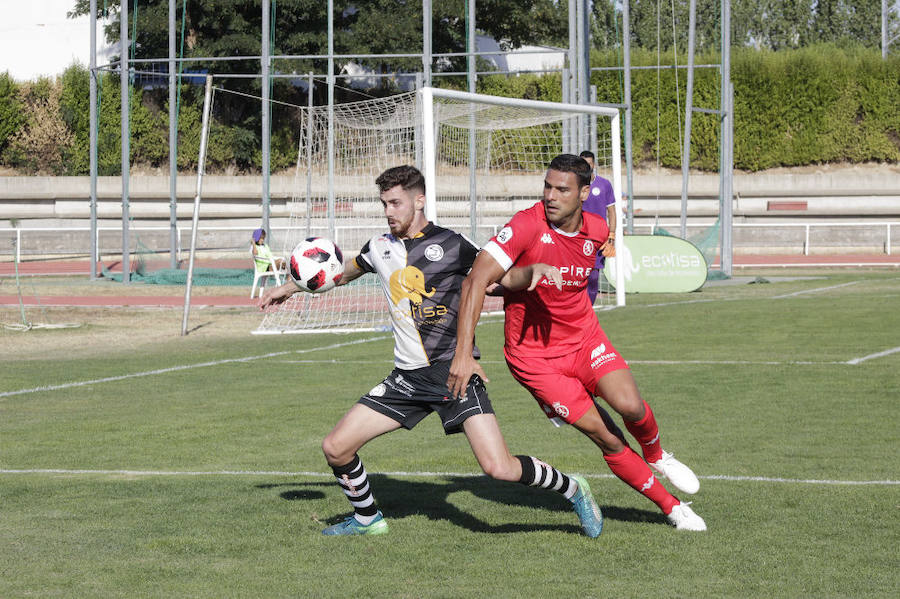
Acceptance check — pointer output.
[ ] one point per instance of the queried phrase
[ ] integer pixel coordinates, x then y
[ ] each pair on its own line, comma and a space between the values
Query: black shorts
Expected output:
408, 396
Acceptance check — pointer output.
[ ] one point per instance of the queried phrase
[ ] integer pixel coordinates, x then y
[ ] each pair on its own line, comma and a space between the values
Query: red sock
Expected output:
629, 466
647, 434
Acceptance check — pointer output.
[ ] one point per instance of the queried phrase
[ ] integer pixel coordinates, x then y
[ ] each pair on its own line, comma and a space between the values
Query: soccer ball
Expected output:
316, 265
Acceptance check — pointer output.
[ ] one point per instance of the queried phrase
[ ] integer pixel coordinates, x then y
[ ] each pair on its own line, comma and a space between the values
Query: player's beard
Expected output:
399, 225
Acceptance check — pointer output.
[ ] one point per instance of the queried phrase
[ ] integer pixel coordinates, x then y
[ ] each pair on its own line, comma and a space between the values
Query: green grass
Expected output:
750, 385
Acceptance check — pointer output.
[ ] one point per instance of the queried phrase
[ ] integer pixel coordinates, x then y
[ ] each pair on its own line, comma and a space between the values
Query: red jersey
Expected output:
548, 321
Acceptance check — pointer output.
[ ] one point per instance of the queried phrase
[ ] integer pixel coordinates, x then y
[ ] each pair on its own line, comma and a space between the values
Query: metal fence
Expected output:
802, 238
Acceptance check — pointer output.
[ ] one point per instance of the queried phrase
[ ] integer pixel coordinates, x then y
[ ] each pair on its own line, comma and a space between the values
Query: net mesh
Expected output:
489, 163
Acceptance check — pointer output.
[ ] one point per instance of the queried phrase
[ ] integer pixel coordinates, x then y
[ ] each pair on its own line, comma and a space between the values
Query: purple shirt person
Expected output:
601, 200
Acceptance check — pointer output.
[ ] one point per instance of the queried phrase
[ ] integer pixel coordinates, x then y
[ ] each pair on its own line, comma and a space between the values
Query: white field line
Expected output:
817, 290
123, 377
881, 354
644, 362
736, 299
410, 474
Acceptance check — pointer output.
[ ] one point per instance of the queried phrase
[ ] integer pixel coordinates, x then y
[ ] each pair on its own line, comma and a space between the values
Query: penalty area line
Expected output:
880, 354
410, 474
133, 375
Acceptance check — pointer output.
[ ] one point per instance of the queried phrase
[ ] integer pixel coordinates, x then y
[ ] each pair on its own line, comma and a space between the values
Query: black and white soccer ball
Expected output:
316, 265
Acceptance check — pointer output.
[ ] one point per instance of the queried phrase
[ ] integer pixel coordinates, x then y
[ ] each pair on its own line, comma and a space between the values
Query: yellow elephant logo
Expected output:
409, 282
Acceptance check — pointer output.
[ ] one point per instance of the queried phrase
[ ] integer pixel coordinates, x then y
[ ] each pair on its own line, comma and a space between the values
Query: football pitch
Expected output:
191, 467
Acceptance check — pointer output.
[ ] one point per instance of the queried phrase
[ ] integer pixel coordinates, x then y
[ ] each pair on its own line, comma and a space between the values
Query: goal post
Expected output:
485, 112
483, 158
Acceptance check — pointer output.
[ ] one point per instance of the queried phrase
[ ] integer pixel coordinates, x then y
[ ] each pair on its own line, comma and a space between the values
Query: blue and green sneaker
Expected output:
352, 526
587, 509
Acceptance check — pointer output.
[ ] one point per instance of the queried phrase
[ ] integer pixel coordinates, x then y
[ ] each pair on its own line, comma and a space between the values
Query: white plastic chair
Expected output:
261, 277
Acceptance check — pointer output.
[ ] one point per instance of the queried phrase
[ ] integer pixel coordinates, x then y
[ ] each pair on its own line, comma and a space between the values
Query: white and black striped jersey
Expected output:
421, 280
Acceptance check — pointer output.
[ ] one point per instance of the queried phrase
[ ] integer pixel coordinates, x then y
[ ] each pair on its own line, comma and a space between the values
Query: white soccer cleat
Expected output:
682, 517
680, 475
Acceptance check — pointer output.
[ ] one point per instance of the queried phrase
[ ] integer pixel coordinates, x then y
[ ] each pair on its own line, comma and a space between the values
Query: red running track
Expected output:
240, 298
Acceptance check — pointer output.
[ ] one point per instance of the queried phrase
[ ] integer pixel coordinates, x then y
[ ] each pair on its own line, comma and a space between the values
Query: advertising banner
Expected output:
658, 264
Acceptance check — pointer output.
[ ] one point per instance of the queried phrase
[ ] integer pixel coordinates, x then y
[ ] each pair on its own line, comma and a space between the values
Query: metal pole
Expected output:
688, 111
570, 82
125, 132
417, 133
93, 138
309, 148
428, 152
727, 214
725, 157
592, 133
266, 128
566, 124
201, 166
331, 118
884, 28
473, 132
582, 81
626, 53
173, 145
426, 41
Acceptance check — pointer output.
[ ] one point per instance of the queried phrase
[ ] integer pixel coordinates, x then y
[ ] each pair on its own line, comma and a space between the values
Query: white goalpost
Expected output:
483, 157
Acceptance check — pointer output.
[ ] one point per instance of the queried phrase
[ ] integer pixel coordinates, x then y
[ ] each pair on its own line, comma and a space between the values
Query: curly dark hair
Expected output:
406, 176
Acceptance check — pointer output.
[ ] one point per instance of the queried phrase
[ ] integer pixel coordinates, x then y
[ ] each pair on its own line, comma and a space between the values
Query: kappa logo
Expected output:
560, 409
546, 238
588, 248
378, 390
505, 234
598, 351
647, 485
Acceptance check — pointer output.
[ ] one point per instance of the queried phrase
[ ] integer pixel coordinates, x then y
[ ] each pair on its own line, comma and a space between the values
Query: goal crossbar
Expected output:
428, 94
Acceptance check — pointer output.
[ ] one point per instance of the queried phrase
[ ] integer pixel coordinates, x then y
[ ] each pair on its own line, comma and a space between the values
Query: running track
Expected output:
240, 296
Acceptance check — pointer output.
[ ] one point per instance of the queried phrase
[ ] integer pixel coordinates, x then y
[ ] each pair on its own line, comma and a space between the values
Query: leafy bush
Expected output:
41, 144
11, 117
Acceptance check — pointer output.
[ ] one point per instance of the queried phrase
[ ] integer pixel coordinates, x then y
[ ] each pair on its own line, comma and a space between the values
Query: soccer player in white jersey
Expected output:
554, 345
421, 267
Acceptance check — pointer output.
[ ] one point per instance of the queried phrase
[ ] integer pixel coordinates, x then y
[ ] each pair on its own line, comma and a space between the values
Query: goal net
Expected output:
484, 158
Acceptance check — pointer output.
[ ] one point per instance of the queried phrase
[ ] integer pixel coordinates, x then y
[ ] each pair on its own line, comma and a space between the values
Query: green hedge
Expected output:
795, 107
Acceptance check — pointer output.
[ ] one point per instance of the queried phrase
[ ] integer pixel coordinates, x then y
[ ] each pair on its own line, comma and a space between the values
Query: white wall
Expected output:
37, 39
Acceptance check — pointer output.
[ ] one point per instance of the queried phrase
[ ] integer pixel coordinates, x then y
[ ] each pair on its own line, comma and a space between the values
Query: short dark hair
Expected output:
588, 154
406, 176
570, 163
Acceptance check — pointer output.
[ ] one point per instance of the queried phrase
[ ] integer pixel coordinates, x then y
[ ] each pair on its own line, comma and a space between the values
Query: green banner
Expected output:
658, 264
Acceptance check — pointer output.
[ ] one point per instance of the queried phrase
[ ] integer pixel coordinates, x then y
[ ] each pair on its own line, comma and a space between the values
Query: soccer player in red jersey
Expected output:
554, 345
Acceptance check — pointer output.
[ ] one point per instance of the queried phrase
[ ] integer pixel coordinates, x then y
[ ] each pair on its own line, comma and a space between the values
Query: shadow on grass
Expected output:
399, 498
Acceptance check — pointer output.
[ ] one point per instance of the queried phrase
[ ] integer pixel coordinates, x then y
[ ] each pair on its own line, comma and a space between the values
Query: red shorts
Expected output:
565, 385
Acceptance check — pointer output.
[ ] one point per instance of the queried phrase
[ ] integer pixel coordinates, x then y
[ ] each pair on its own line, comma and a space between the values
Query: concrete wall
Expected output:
845, 193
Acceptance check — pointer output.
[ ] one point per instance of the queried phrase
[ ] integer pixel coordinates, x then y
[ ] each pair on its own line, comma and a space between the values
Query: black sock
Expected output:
354, 482
536, 473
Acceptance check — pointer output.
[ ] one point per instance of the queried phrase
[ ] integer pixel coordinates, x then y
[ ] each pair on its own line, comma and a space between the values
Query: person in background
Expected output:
601, 200
262, 255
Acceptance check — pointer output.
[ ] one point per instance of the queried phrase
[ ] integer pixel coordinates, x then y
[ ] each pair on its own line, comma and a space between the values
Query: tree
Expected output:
11, 118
